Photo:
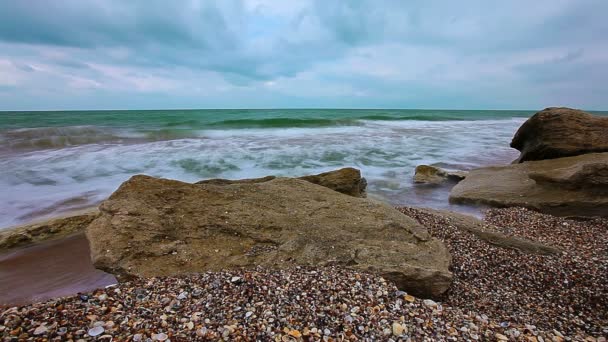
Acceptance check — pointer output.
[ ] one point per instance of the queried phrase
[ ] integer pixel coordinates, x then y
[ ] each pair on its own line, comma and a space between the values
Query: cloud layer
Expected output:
97, 54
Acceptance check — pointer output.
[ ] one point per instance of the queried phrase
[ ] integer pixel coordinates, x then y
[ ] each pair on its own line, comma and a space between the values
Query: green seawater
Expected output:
55, 161
238, 118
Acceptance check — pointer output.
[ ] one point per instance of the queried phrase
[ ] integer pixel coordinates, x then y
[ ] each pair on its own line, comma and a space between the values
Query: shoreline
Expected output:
478, 287
56, 268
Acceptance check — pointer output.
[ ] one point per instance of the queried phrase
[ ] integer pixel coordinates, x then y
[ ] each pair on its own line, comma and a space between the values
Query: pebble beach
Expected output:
497, 294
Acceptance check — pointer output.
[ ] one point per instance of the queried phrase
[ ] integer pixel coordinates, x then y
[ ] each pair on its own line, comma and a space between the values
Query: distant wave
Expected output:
28, 139
56, 137
283, 123
321, 122
411, 117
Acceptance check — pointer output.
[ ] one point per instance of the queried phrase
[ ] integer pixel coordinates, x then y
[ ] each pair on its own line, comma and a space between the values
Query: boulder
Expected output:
347, 181
560, 132
571, 186
434, 175
158, 227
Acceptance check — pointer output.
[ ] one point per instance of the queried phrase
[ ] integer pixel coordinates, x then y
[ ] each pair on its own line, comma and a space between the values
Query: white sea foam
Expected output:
45, 181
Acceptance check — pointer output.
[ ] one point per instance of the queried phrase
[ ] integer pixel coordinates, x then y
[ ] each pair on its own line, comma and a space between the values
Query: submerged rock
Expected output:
213, 227
561, 132
572, 186
346, 180
435, 175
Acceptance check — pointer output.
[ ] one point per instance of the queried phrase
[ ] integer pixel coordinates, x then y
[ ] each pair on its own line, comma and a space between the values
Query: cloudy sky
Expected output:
104, 54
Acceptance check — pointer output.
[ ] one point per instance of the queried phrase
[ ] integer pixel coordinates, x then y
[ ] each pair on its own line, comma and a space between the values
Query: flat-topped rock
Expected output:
561, 132
572, 186
347, 180
157, 227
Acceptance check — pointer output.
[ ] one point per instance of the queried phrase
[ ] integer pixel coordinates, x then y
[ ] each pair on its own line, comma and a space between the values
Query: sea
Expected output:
53, 162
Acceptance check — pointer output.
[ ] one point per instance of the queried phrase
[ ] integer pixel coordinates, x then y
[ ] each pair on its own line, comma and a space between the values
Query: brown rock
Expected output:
572, 186
155, 227
592, 177
435, 175
55, 228
561, 132
347, 181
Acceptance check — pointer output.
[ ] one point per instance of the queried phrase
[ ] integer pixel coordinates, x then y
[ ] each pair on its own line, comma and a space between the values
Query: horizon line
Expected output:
287, 108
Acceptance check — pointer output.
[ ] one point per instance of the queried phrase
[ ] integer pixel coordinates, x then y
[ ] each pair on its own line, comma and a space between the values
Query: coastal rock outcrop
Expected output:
434, 175
157, 227
560, 132
55, 228
347, 180
570, 186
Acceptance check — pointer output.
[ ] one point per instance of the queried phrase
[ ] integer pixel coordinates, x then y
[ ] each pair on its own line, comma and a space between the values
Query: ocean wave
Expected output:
380, 117
283, 123
56, 137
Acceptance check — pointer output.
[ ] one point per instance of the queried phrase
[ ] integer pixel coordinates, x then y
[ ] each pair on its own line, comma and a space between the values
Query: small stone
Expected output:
42, 329
248, 314
430, 303
295, 333
137, 337
409, 298
235, 279
201, 332
501, 337
160, 337
102, 297
96, 331
326, 332
190, 325
398, 329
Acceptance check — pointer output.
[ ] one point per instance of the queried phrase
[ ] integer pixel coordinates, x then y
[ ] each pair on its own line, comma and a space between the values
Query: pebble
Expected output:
398, 329
491, 286
96, 331
42, 329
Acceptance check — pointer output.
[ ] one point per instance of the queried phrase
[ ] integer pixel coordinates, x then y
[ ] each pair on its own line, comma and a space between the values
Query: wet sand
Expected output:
48, 270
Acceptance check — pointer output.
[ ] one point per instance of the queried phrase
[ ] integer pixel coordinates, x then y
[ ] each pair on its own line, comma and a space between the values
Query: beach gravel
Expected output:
498, 294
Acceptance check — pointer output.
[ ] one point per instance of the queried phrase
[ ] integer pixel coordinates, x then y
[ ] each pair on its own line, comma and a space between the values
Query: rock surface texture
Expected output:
56, 228
157, 227
561, 132
435, 175
572, 186
346, 180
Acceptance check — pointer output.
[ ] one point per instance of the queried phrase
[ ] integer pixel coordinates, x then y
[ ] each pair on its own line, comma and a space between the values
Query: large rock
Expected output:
347, 181
428, 174
156, 227
561, 132
572, 186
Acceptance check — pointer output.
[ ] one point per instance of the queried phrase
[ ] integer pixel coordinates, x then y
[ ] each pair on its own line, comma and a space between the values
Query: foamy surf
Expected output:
84, 164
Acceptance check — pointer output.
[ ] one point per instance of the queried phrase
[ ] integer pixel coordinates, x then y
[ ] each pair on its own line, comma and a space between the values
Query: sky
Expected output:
152, 54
